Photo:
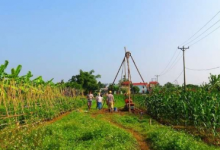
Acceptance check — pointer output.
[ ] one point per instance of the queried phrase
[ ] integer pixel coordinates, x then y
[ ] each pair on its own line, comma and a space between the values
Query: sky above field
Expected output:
56, 38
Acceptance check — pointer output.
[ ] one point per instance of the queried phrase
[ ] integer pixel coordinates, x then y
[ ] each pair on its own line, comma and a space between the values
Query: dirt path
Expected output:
57, 118
45, 123
140, 139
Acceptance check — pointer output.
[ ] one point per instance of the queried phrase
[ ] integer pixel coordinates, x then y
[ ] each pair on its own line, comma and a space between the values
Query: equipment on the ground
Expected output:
129, 105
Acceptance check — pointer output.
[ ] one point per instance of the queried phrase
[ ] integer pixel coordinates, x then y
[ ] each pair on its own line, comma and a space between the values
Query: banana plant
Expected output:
2, 70
26, 78
50, 82
15, 73
38, 80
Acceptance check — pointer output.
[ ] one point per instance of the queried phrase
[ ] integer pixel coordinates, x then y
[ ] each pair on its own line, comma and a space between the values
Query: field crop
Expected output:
200, 108
161, 137
25, 101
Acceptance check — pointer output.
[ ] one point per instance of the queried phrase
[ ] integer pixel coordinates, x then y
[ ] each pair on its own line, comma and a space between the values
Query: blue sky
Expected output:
57, 38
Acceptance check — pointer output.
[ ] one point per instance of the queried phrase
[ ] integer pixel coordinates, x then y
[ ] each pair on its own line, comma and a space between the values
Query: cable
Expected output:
178, 76
169, 62
202, 33
204, 36
201, 28
174, 64
203, 69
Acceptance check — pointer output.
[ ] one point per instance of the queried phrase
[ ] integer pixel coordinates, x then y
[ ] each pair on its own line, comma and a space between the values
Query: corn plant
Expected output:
198, 108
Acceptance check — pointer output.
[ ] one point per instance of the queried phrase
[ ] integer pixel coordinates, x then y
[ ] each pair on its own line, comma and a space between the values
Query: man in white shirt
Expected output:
90, 97
99, 99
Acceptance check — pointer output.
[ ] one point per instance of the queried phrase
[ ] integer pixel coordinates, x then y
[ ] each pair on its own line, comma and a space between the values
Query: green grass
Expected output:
76, 131
162, 137
81, 131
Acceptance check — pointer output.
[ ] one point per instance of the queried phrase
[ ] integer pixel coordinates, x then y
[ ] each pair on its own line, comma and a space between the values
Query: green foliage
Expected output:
135, 89
21, 98
192, 86
196, 106
2, 70
75, 131
214, 81
161, 137
169, 85
85, 80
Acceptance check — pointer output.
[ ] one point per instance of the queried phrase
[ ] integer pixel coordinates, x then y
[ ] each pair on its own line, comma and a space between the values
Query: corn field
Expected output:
198, 108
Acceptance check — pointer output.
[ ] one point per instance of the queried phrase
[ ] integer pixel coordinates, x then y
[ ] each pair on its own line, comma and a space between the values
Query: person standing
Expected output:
110, 100
90, 97
99, 101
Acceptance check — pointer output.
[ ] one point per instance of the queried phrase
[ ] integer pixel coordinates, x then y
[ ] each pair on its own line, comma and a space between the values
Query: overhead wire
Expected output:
173, 64
203, 69
169, 63
178, 76
202, 33
204, 37
201, 28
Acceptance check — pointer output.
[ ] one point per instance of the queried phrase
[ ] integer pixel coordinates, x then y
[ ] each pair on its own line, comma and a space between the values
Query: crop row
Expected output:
26, 101
198, 108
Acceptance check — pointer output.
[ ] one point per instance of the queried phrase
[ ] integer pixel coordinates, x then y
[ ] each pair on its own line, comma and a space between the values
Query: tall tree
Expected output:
86, 80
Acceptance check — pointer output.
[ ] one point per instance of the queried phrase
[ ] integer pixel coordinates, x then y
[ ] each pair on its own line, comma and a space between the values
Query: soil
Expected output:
140, 138
57, 118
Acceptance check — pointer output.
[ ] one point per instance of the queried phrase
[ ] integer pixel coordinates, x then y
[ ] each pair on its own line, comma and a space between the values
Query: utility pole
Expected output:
184, 68
157, 77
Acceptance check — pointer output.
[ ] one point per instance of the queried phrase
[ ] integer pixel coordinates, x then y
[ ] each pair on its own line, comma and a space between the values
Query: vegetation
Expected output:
135, 89
76, 131
25, 101
86, 81
198, 106
161, 137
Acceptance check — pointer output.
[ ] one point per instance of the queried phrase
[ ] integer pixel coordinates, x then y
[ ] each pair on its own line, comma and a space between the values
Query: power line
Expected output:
202, 33
204, 36
169, 62
201, 28
173, 64
203, 69
178, 76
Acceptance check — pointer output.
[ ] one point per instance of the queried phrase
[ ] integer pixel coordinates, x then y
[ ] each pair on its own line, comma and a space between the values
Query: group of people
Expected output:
99, 101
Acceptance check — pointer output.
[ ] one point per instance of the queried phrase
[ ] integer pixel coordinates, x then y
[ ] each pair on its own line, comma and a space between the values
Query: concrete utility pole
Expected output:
157, 77
184, 68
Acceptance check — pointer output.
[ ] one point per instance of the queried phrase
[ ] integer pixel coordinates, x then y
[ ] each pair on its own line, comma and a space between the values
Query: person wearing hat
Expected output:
110, 100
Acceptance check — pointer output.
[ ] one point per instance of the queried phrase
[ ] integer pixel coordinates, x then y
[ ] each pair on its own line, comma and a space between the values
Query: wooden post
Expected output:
127, 55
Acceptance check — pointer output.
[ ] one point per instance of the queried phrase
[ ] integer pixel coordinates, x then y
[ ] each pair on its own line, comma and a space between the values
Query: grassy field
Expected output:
161, 137
75, 131
83, 129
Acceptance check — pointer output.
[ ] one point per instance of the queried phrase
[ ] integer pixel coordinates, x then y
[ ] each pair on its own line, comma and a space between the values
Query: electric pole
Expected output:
184, 68
157, 77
